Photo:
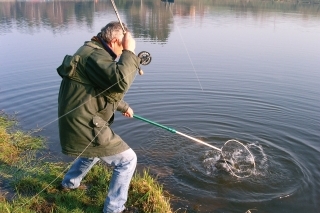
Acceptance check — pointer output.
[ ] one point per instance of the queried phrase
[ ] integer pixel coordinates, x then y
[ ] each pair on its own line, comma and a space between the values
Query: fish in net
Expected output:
237, 158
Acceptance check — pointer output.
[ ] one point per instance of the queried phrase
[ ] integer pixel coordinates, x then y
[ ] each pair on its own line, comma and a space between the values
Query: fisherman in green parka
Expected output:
92, 89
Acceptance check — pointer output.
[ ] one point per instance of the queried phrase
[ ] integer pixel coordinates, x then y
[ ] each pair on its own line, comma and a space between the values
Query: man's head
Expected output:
112, 34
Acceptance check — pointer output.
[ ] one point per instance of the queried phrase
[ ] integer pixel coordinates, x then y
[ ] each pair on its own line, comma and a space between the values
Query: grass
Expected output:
32, 183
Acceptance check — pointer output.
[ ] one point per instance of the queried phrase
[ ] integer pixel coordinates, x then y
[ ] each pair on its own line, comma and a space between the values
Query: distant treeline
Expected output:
149, 18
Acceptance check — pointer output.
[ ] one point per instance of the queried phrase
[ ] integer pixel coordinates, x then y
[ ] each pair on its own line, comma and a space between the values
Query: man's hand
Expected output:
128, 43
128, 113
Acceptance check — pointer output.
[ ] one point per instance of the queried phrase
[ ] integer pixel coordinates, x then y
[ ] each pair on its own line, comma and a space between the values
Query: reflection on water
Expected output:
258, 66
144, 17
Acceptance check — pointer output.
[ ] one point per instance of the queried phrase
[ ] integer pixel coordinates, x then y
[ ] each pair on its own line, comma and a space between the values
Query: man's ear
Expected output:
111, 43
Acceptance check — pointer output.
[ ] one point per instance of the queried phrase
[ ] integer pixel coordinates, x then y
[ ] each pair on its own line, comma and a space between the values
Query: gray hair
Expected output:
112, 30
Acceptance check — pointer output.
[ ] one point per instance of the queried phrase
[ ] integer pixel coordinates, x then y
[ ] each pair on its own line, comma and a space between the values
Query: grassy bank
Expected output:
29, 184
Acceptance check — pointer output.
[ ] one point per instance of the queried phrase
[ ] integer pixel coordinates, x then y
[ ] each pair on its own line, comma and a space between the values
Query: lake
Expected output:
220, 70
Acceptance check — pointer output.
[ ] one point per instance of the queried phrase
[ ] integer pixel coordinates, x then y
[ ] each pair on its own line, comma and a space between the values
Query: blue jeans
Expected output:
124, 165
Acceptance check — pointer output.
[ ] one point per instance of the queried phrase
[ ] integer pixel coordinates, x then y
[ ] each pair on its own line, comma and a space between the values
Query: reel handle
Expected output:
140, 71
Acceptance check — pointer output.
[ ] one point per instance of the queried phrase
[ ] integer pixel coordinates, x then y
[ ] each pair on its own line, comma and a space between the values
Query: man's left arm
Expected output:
125, 109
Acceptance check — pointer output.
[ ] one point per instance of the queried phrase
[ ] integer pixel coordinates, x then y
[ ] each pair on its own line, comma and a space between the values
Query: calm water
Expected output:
220, 70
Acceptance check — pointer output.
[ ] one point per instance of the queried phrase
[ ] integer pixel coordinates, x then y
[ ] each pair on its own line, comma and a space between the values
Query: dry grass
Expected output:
13, 143
31, 180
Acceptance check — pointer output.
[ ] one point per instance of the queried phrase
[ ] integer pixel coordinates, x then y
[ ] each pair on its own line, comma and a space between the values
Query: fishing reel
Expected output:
145, 59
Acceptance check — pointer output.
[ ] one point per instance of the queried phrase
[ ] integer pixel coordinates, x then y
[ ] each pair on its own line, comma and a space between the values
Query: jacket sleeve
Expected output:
106, 73
123, 106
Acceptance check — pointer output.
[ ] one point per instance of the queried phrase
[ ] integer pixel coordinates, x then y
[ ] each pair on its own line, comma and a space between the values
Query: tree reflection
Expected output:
147, 19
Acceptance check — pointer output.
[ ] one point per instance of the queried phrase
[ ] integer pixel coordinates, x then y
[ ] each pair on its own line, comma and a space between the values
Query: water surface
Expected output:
220, 70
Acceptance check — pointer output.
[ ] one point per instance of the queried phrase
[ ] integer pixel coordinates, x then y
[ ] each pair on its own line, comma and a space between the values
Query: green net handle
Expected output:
155, 124
175, 131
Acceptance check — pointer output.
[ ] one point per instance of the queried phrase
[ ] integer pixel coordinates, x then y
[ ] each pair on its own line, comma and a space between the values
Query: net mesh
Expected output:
238, 159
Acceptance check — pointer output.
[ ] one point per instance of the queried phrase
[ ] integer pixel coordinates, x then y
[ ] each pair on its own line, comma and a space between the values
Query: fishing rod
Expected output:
145, 57
118, 16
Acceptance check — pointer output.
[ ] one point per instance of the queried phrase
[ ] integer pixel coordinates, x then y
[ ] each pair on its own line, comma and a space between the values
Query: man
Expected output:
92, 88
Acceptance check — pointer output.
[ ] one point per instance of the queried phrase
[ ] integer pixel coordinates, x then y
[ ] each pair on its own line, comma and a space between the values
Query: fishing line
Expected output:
235, 154
185, 47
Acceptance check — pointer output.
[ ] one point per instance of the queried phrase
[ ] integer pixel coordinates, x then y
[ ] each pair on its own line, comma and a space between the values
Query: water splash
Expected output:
260, 157
238, 160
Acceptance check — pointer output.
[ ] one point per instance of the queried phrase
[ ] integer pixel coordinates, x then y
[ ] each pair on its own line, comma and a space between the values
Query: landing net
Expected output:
238, 159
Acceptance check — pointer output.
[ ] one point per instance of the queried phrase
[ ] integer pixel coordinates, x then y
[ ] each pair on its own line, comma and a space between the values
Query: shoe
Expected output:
66, 189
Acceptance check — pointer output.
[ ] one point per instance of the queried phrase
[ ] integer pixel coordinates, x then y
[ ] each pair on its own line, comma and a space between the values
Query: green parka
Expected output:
93, 85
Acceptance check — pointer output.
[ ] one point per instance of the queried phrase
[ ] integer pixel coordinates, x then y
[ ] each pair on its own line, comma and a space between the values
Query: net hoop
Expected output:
230, 168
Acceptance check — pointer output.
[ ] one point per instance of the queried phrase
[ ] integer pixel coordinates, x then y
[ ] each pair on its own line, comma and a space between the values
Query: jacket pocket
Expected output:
107, 114
100, 128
